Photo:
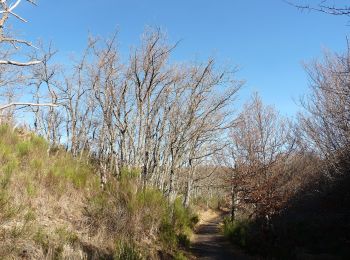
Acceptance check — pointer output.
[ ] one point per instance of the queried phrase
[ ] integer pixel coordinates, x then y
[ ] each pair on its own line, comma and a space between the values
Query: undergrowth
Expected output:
52, 207
237, 231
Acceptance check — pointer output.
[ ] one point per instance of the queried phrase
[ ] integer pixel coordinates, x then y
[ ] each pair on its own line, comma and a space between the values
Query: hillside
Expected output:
52, 207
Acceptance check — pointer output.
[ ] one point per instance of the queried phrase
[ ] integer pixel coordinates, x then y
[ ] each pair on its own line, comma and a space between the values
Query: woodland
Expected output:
118, 155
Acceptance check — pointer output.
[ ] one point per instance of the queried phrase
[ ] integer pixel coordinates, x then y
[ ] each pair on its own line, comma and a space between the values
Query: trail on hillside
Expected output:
208, 241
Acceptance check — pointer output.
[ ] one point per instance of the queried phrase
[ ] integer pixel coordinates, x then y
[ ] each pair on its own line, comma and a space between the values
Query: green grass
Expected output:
66, 236
177, 226
179, 256
123, 212
26, 173
126, 251
30, 156
23, 148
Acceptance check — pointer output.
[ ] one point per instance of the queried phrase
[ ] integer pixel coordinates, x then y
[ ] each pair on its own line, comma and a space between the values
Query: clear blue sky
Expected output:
269, 40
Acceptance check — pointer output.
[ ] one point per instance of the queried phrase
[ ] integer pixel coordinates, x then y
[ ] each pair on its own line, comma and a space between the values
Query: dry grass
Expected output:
52, 207
207, 215
42, 200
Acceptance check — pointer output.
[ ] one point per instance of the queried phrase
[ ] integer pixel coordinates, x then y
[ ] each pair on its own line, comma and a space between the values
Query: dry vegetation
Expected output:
117, 151
52, 207
292, 189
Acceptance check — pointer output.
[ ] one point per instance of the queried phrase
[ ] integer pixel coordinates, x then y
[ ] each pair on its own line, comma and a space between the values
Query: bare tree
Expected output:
260, 147
324, 6
162, 120
150, 77
325, 122
78, 102
10, 47
44, 81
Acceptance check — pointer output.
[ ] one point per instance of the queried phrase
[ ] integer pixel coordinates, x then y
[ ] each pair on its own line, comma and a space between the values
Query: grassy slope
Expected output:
42, 198
51, 207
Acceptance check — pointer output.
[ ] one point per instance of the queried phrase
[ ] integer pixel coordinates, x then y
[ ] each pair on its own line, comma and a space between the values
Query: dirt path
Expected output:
209, 243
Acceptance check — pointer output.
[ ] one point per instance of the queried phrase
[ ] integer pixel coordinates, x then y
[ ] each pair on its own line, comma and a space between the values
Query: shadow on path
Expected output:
209, 243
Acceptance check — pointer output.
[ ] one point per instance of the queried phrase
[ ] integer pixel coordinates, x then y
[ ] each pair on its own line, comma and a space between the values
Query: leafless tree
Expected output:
143, 113
44, 81
324, 6
150, 76
10, 46
325, 123
259, 151
76, 98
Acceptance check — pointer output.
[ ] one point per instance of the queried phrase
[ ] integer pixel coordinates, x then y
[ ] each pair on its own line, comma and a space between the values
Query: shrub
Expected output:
124, 211
183, 218
183, 240
237, 231
7, 211
194, 220
151, 198
39, 142
74, 171
181, 214
152, 207
177, 226
112, 211
167, 236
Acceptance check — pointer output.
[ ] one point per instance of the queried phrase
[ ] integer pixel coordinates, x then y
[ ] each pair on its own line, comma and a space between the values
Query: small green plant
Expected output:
5, 153
183, 240
194, 220
8, 211
129, 174
180, 215
8, 170
39, 142
30, 216
179, 256
152, 204
31, 189
23, 148
67, 168
126, 251
66, 236
237, 231
37, 164
177, 226
41, 238
167, 235
4, 128
183, 218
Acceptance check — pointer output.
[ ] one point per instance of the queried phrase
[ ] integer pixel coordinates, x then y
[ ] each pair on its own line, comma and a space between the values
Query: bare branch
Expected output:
323, 7
14, 41
27, 104
20, 64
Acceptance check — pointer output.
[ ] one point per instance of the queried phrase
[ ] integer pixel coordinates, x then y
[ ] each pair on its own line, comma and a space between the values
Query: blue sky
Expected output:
268, 40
